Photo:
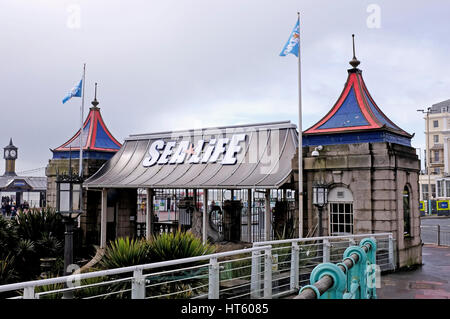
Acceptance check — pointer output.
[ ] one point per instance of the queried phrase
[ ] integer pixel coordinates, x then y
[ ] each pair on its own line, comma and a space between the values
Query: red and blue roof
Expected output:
98, 142
355, 118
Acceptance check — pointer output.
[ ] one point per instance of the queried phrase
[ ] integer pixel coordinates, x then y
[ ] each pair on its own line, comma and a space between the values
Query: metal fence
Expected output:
307, 253
435, 234
267, 270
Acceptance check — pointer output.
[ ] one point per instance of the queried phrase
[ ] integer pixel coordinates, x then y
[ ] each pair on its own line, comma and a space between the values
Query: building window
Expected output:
436, 123
436, 156
447, 188
440, 188
436, 138
437, 171
424, 191
340, 207
406, 213
433, 191
341, 218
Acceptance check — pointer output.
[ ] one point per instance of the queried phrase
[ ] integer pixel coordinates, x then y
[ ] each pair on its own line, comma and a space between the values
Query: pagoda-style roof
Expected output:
98, 142
355, 118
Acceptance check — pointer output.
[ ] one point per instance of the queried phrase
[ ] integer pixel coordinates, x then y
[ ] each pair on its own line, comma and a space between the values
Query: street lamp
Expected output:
68, 205
320, 199
428, 156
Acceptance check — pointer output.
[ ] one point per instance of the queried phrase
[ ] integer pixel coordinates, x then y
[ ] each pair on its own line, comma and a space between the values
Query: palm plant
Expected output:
7, 271
124, 252
8, 237
168, 246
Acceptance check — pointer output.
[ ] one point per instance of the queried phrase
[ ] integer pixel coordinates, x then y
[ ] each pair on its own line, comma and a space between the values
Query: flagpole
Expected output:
80, 171
300, 143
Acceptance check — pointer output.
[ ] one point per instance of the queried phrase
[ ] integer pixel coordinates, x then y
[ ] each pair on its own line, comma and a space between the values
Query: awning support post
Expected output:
267, 217
149, 215
249, 214
103, 219
205, 213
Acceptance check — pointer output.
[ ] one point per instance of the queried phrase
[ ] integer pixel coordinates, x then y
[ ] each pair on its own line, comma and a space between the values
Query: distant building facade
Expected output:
436, 181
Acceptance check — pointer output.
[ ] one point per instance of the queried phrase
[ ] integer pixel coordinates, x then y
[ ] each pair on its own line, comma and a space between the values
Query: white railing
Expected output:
270, 269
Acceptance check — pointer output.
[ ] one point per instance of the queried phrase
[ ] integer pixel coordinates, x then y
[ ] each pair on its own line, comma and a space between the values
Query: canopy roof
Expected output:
96, 138
355, 118
22, 183
245, 156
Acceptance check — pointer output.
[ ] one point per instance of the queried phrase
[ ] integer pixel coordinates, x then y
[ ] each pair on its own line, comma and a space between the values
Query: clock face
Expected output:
6, 153
12, 153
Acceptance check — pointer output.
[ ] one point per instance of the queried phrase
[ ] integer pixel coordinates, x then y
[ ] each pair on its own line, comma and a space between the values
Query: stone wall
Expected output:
376, 174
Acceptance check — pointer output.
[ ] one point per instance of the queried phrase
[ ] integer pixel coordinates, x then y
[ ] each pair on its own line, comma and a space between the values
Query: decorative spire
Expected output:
354, 62
95, 102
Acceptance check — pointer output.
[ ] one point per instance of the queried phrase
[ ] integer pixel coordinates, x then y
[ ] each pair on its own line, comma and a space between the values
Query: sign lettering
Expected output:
161, 152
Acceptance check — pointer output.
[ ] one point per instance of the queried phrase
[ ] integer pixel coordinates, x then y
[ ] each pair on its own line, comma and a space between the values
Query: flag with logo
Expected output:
292, 45
75, 91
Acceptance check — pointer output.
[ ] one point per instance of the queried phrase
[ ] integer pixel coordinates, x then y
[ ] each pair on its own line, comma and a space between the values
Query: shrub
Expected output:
168, 246
124, 252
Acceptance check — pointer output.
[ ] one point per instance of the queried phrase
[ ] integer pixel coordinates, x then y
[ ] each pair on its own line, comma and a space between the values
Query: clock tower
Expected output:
10, 155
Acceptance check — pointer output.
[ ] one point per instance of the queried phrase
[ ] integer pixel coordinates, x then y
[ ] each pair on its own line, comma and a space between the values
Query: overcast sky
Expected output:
166, 65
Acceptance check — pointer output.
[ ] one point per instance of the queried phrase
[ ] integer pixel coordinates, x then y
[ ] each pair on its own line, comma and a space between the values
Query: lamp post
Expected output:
320, 192
320, 199
428, 157
68, 205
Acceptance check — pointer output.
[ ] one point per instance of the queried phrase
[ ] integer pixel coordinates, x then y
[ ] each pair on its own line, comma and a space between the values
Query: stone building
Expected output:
370, 169
99, 146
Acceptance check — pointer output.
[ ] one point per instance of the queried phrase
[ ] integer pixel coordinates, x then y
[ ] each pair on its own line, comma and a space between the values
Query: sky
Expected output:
170, 65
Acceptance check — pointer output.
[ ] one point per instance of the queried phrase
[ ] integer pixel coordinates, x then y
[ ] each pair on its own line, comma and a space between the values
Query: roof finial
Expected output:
354, 62
95, 102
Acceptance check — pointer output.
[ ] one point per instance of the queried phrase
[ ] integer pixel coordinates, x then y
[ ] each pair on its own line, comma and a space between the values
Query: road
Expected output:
429, 230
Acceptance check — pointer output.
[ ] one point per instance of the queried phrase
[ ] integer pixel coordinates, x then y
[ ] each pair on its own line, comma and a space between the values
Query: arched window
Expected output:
340, 204
406, 212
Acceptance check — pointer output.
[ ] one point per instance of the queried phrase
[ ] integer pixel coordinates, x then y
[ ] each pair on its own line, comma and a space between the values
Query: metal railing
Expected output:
353, 278
270, 269
435, 234
295, 259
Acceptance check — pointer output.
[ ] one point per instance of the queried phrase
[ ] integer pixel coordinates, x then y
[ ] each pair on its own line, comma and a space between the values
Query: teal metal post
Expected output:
339, 281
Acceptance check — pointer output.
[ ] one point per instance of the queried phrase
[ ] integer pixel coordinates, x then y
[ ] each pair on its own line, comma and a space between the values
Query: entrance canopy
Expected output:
244, 156
23, 184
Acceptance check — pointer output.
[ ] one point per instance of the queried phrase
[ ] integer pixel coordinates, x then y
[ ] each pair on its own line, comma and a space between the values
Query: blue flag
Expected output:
291, 46
75, 91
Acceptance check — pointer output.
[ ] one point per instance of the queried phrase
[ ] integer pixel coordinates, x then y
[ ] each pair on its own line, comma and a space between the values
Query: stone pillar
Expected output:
149, 214
103, 220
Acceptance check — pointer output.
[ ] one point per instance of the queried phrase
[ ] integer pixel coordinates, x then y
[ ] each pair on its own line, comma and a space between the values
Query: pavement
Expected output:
431, 280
